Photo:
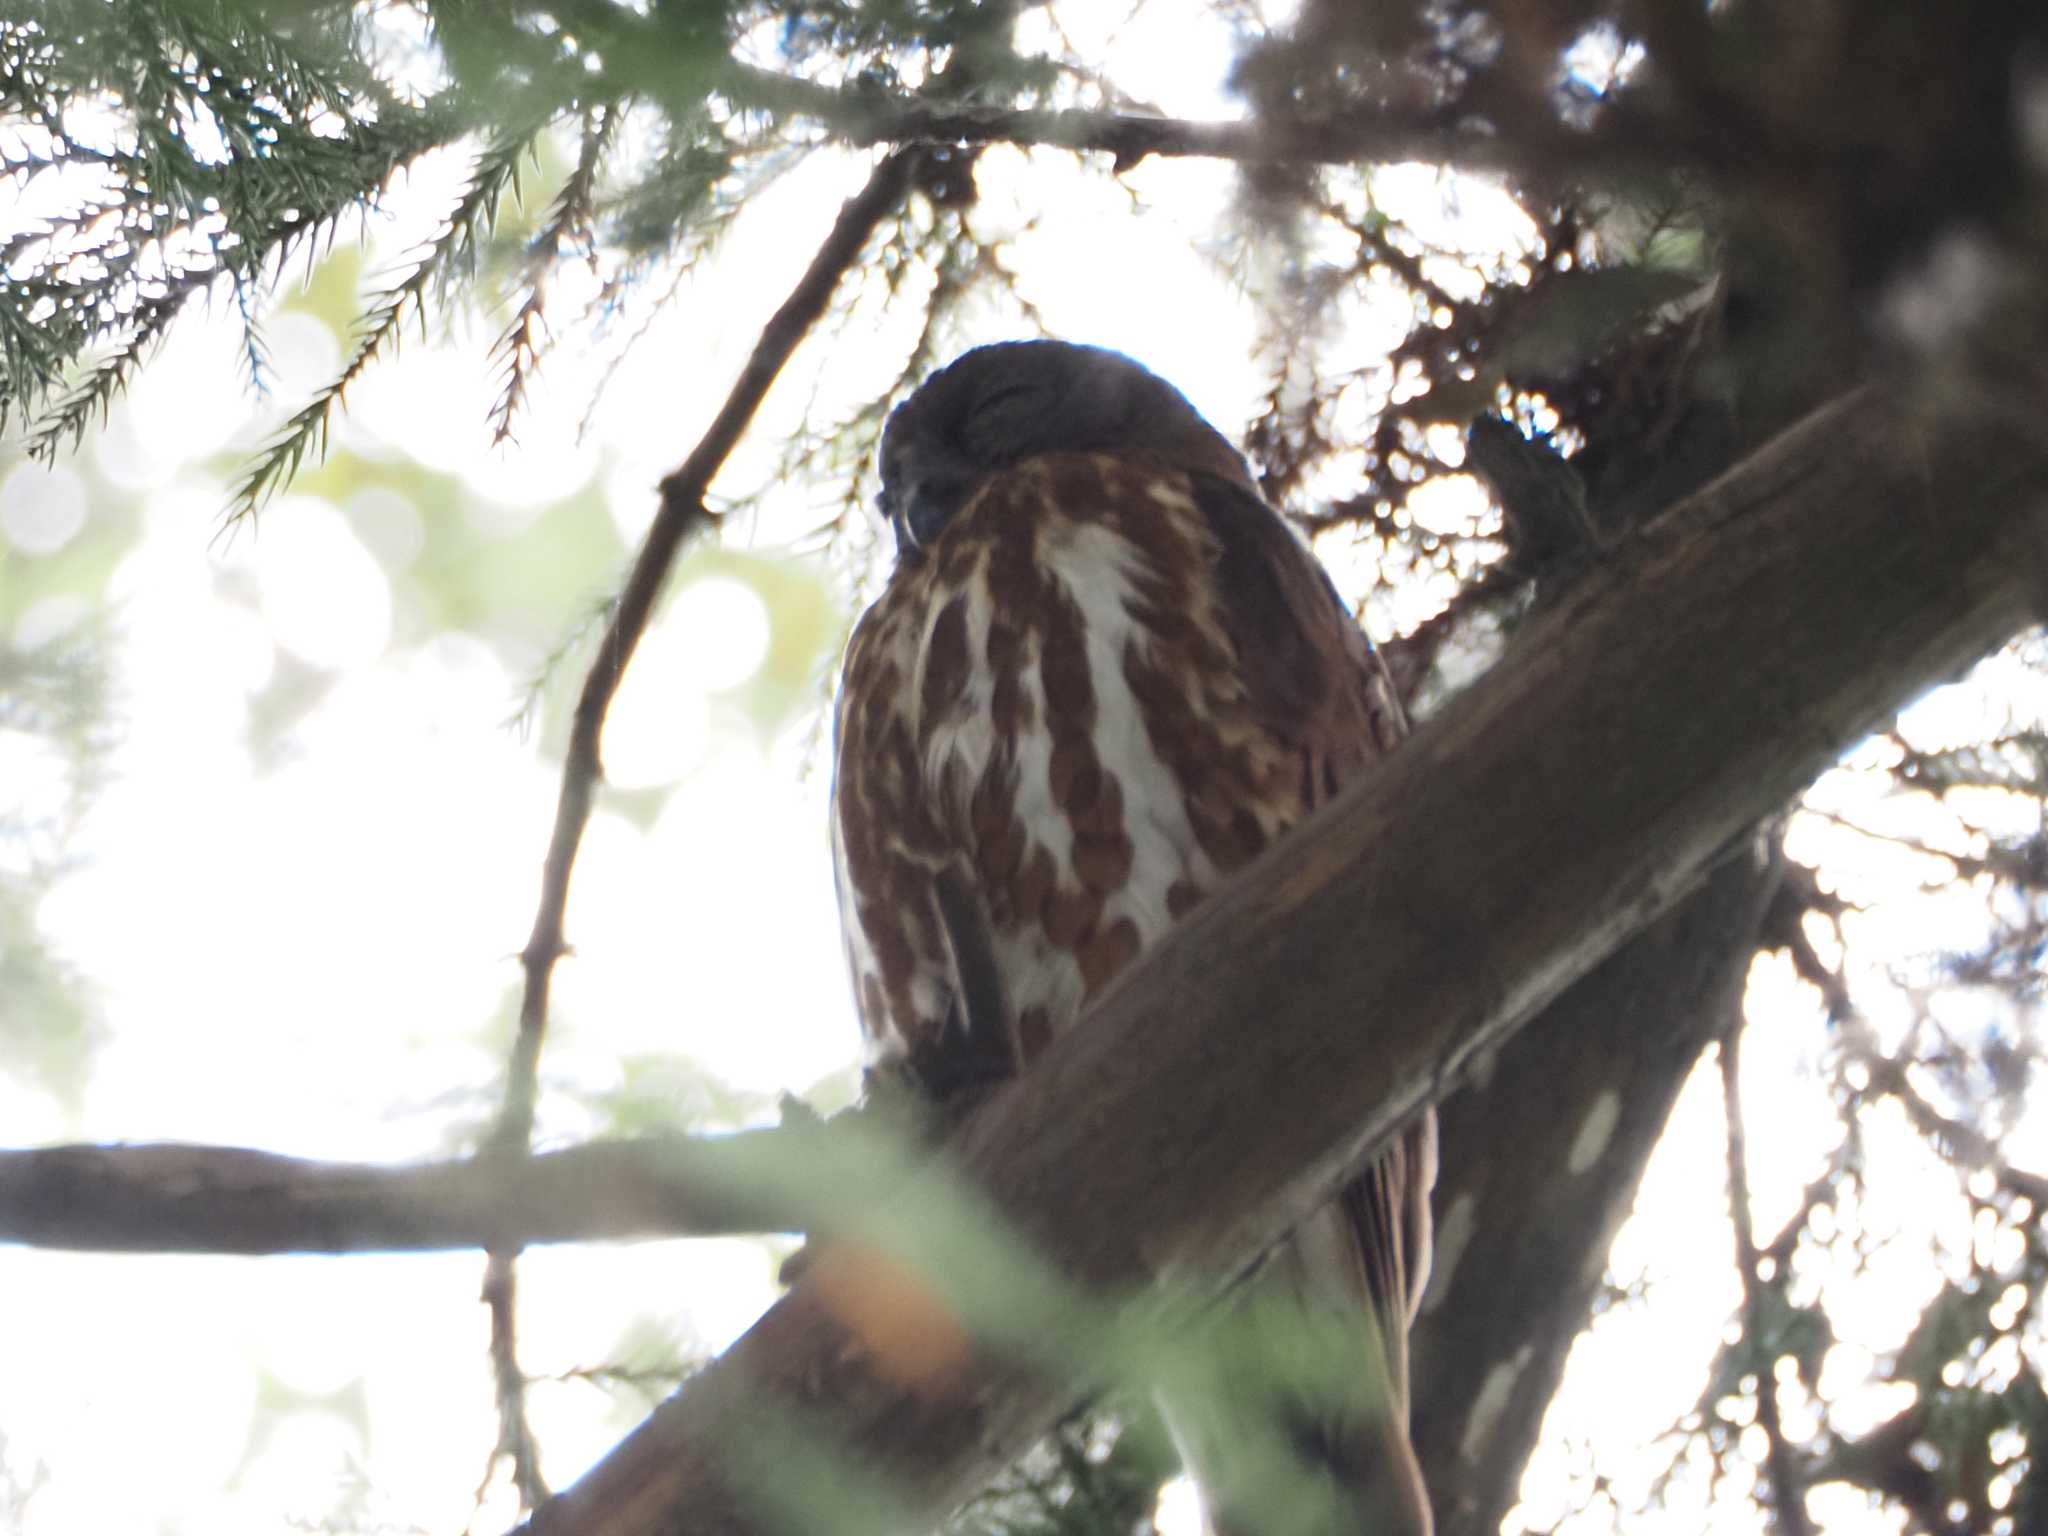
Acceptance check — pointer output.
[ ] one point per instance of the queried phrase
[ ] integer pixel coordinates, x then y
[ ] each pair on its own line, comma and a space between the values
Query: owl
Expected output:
1103, 676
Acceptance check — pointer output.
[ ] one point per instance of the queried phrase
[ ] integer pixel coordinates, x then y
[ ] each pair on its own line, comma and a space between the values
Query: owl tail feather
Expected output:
1359, 1479
1292, 1414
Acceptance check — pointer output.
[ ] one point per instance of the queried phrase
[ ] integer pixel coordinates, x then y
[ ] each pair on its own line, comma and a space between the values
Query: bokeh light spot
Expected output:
324, 595
722, 627
41, 509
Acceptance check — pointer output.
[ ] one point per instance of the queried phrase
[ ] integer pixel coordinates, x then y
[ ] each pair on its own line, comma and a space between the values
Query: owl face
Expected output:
999, 405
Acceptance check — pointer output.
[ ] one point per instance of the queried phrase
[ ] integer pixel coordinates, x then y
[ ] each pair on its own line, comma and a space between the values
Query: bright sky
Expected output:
304, 949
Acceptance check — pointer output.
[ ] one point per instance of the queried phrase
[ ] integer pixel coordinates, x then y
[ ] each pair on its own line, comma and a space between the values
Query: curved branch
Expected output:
682, 513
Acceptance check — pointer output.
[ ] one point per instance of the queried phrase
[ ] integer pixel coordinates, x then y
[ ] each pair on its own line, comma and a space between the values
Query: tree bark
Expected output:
1683, 691
176, 1198
1542, 1154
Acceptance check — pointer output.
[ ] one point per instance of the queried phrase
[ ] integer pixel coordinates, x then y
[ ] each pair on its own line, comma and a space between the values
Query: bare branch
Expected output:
1962, 1144
864, 115
682, 512
177, 1198
516, 1441
1788, 1492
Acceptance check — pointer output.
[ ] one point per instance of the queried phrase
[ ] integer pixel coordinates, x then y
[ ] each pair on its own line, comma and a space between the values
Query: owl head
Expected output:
999, 405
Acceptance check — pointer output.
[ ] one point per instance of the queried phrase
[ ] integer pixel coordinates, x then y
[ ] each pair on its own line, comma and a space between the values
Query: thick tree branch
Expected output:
1530, 1196
176, 1198
1680, 693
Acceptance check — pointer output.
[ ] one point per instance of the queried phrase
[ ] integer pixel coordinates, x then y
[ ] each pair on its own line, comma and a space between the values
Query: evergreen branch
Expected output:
229, 144
650, 1381
139, 290
866, 115
454, 249
609, 296
2012, 760
569, 220
1958, 1143
676, 217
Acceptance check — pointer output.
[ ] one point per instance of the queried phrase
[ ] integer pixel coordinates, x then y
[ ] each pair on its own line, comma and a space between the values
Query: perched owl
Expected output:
1103, 677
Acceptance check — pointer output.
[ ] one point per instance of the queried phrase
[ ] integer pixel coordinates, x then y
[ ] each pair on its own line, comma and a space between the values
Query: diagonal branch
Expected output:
1682, 691
681, 514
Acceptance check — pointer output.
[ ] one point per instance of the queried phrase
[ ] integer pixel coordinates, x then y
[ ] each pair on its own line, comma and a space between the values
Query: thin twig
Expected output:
1511, 131
682, 513
1788, 1496
515, 1432
1958, 1142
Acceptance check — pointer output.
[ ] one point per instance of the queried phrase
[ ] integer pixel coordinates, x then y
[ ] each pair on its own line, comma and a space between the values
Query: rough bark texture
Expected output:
1542, 1153
1679, 694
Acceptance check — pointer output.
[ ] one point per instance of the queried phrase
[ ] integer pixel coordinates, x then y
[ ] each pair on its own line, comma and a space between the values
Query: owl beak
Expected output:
890, 505
918, 507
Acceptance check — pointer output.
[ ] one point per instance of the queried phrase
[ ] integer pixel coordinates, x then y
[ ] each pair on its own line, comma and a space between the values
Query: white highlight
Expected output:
1490, 1404
324, 595
959, 745
41, 508
722, 625
1595, 1132
1453, 1232
1178, 1511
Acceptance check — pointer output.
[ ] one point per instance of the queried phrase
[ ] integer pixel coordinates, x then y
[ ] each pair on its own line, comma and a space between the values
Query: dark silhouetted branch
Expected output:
682, 512
1788, 1493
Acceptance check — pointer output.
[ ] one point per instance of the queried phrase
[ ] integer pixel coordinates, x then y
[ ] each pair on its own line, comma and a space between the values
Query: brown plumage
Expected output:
1103, 677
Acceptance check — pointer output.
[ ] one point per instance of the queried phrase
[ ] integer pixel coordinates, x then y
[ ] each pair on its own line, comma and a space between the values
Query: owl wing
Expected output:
1320, 687
926, 980
1107, 686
